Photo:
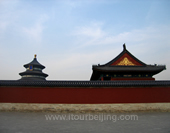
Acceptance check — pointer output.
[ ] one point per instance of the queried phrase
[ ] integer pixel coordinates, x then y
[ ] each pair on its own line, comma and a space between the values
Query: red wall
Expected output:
84, 95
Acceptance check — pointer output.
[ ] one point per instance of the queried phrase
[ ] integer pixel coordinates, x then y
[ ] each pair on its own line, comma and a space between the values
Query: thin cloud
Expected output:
35, 32
97, 36
94, 30
8, 14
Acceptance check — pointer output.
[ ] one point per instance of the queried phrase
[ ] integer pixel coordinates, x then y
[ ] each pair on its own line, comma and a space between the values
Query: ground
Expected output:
39, 122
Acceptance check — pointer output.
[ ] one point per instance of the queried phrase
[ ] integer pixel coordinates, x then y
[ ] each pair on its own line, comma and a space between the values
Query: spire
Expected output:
35, 56
124, 46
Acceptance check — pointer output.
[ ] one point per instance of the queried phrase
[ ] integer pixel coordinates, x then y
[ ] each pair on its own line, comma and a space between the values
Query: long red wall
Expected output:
84, 95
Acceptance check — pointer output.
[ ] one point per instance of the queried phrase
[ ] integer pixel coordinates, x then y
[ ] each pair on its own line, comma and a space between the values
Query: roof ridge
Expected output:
121, 54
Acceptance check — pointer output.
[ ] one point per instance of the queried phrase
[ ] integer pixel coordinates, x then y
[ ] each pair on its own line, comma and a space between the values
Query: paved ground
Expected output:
38, 122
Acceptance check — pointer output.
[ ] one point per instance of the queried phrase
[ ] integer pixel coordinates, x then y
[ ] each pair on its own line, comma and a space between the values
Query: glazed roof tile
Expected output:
28, 72
35, 63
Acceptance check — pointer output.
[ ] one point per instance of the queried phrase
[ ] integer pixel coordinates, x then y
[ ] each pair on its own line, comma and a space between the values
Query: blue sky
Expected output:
69, 36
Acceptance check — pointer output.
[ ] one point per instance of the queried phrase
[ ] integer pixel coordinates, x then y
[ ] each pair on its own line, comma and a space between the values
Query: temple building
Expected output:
33, 71
123, 80
125, 67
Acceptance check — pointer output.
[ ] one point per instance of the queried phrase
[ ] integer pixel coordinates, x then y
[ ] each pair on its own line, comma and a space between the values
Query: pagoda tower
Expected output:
33, 71
125, 67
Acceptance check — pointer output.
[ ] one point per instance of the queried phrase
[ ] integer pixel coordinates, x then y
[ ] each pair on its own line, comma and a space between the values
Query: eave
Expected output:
33, 73
130, 69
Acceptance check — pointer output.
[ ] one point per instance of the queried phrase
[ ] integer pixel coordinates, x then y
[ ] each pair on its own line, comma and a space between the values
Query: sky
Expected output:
69, 36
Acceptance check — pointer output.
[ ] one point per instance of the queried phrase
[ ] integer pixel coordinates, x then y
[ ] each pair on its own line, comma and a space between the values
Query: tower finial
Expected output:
124, 46
35, 56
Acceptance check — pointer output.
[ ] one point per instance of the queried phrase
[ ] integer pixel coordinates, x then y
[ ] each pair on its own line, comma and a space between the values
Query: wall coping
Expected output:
86, 108
138, 83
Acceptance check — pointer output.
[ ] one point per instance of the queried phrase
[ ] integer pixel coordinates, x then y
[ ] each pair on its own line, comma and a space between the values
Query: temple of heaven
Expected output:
33, 71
